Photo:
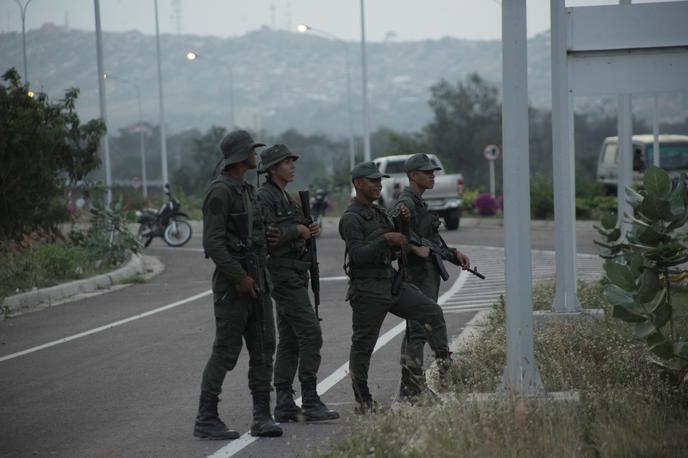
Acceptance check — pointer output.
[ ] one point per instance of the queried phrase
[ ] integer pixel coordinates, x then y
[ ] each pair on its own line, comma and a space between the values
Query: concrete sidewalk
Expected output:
38, 299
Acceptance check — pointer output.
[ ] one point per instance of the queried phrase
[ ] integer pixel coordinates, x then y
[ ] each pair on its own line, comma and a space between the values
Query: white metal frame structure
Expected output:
622, 50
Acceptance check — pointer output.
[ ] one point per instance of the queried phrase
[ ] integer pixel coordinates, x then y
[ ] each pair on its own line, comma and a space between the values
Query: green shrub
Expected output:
541, 200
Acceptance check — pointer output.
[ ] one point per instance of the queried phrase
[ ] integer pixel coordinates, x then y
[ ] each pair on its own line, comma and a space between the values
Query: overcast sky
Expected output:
391, 19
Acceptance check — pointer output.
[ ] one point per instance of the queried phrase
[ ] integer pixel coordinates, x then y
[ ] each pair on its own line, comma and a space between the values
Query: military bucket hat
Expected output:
273, 156
420, 162
236, 147
367, 170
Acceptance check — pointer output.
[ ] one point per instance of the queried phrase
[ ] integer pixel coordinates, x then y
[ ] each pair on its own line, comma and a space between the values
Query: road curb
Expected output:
65, 292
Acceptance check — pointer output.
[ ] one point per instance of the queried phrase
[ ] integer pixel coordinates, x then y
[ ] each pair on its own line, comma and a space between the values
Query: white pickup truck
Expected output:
445, 199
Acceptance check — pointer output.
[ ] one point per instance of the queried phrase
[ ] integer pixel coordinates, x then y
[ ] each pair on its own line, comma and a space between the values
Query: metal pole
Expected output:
232, 122
655, 132
142, 144
22, 9
564, 165
625, 155
163, 139
352, 147
492, 178
520, 374
103, 110
364, 84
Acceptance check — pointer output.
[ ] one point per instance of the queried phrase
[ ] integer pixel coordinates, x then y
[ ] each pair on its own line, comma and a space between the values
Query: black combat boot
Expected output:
263, 423
313, 408
444, 363
208, 424
286, 409
412, 384
363, 398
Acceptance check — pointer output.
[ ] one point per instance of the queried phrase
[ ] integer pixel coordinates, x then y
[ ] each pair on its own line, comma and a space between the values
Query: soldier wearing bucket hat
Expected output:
233, 232
421, 271
300, 336
371, 243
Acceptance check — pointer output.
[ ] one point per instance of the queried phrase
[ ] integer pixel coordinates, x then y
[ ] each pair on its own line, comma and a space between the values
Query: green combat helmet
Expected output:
367, 170
420, 162
273, 156
236, 147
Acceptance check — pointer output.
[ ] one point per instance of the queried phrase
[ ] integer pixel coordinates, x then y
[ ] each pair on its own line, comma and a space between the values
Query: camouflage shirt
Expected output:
232, 225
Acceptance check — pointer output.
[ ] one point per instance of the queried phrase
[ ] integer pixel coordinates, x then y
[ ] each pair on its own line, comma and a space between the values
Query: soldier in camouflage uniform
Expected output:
234, 238
300, 337
421, 271
370, 246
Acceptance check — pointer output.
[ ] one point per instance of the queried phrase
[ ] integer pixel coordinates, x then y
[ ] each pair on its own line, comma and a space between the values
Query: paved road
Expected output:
131, 388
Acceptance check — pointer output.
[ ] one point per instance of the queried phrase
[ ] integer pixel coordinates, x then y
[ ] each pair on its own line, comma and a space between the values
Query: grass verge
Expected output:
628, 407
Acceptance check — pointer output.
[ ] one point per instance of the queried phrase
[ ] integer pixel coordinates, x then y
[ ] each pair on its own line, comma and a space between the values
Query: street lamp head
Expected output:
191, 55
105, 76
31, 94
303, 28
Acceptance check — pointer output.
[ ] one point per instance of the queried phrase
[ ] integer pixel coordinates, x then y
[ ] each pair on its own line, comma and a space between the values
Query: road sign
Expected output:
491, 152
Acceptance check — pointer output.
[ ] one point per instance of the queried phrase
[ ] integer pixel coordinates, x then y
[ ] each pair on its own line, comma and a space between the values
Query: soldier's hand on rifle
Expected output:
247, 287
420, 251
315, 229
395, 238
304, 232
273, 234
405, 213
463, 260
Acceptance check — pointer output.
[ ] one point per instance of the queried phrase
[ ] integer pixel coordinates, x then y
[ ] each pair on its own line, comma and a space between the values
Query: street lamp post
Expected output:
22, 8
142, 146
163, 139
303, 28
193, 55
103, 110
364, 84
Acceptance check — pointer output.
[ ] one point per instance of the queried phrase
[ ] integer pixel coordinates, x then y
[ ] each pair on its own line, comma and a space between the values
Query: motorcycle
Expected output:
168, 222
319, 204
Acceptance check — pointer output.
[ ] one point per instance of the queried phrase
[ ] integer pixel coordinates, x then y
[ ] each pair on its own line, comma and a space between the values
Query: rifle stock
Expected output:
314, 269
442, 253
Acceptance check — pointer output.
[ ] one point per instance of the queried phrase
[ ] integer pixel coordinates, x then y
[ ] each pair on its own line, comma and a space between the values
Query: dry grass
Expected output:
627, 407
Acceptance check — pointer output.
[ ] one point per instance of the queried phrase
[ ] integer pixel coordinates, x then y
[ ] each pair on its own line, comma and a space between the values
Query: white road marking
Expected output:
114, 324
123, 321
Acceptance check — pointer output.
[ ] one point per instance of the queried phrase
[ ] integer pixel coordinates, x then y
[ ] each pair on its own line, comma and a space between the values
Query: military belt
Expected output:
372, 272
300, 266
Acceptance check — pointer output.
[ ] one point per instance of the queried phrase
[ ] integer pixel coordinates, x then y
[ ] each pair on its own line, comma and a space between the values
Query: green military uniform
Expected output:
371, 275
233, 232
300, 336
422, 273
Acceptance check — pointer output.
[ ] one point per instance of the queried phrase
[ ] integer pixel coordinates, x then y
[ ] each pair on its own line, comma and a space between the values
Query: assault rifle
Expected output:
401, 226
314, 269
254, 269
440, 253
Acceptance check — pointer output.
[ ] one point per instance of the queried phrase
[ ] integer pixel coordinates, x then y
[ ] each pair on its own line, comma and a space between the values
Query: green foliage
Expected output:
639, 271
105, 245
108, 237
43, 148
541, 199
467, 116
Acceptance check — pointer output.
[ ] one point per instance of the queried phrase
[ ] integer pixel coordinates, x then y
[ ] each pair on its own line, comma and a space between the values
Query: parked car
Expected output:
445, 199
673, 157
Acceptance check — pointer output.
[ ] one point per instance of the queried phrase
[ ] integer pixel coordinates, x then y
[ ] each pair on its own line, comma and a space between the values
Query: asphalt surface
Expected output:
131, 389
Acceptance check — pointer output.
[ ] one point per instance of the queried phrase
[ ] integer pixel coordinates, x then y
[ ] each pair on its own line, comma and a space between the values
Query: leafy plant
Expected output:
43, 148
641, 271
108, 236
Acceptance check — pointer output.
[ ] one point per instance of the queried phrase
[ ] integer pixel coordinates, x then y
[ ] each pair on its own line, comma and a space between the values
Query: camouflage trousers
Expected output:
238, 319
